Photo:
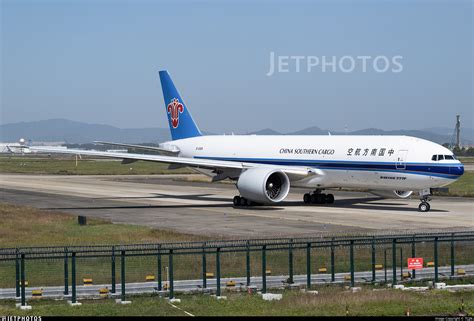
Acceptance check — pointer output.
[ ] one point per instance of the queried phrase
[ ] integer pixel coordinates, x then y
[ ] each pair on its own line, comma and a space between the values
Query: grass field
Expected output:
466, 160
463, 186
67, 166
25, 226
381, 302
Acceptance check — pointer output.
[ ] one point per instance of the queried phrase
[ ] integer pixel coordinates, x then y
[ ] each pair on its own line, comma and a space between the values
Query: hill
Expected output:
73, 132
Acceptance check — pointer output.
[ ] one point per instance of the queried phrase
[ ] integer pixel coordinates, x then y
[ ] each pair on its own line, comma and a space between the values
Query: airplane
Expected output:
264, 167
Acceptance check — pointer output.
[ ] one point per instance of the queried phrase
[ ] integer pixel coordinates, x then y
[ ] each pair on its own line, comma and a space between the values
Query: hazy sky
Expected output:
98, 62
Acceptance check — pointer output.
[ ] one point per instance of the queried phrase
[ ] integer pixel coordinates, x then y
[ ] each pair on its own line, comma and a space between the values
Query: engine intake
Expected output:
263, 185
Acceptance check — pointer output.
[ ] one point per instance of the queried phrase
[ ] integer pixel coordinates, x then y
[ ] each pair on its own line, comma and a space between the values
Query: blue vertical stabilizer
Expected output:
180, 120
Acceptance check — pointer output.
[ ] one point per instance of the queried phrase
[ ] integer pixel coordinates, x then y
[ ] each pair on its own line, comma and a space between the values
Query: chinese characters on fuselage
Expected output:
369, 152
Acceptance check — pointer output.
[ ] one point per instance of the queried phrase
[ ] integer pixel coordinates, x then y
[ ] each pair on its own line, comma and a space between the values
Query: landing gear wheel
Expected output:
243, 202
237, 201
307, 198
330, 198
424, 207
320, 198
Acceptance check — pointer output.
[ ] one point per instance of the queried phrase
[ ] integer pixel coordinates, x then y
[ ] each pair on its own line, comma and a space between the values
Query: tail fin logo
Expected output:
174, 109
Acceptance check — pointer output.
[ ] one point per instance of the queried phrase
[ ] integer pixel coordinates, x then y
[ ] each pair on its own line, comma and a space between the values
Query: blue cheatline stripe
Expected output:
428, 169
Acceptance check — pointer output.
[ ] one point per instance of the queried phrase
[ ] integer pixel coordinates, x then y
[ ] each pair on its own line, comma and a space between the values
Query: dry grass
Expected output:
66, 165
27, 226
331, 301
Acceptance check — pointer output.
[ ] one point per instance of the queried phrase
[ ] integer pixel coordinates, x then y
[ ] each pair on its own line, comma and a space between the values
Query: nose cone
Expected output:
457, 169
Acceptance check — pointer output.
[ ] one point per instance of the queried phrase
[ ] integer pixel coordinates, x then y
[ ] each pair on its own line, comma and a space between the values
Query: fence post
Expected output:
248, 263
394, 261
413, 254
171, 277
159, 268
452, 254
401, 263
385, 264
22, 277
218, 272
204, 268
122, 272
436, 259
308, 266
352, 263
73, 277
264, 269
333, 272
112, 266
17, 273
290, 261
66, 272
373, 259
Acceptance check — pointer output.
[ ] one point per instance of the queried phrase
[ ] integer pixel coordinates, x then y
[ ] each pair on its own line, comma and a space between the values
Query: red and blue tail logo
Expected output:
180, 121
174, 109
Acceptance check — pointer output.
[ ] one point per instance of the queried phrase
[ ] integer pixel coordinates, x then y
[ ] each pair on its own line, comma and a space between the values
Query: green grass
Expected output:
331, 301
67, 166
463, 186
28, 226
466, 160
25, 226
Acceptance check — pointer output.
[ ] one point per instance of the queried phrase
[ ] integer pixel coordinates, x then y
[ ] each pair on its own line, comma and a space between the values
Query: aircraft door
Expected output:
401, 159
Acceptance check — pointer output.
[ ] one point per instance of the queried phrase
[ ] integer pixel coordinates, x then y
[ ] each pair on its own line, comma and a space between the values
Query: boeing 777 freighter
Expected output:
265, 167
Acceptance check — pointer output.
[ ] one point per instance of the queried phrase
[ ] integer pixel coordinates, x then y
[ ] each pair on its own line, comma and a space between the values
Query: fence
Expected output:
254, 261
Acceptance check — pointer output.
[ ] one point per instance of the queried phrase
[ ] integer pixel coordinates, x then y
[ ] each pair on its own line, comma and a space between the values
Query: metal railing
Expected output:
299, 253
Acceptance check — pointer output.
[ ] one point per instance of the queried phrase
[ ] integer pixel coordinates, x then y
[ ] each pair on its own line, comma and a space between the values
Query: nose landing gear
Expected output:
424, 198
424, 206
318, 198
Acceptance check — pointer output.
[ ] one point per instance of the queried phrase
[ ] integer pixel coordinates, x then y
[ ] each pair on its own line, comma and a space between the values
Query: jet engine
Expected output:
392, 194
263, 185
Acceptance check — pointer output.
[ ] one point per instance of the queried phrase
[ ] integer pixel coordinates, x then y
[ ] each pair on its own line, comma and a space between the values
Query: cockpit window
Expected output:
442, 157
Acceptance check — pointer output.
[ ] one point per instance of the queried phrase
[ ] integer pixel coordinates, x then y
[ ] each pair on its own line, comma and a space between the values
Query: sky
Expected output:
98, 62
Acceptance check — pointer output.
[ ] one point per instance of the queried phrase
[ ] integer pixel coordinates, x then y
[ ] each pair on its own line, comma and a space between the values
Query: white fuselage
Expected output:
372, 162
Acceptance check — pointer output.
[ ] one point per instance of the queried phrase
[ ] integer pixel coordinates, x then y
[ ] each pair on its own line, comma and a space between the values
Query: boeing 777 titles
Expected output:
264, 167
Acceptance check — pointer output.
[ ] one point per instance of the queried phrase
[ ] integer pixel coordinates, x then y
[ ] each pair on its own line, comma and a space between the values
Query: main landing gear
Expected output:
242, 202
424, 198
318, 198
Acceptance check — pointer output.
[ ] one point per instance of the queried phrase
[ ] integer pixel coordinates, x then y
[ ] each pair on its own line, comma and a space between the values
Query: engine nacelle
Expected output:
392, 194
263, 185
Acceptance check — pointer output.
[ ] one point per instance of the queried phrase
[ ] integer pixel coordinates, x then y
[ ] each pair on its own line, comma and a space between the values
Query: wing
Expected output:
174, 151
294, 172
